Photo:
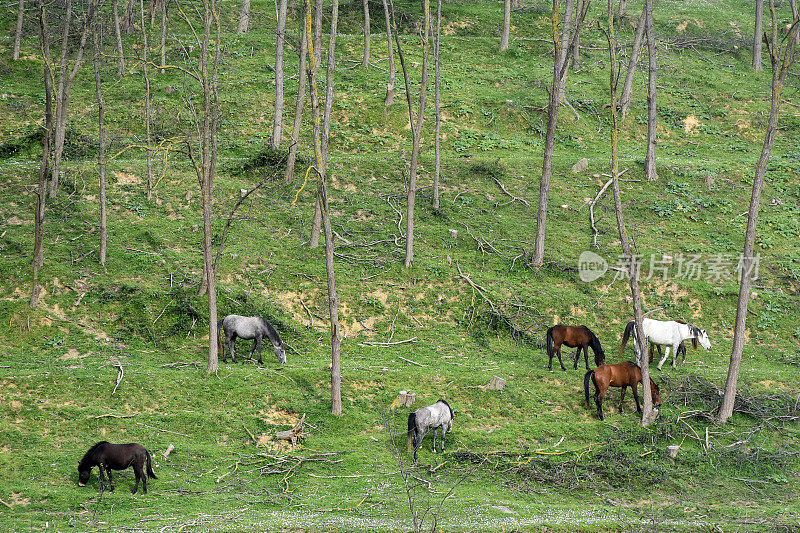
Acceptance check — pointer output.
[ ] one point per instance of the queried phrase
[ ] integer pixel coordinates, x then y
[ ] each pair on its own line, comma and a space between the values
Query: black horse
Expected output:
108, 457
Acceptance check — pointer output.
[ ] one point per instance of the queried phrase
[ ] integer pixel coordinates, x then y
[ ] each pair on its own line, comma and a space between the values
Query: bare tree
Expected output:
298, 108
367, 35
576, 50
633, 272
781, 63
318, 11
333, 302
757, 35
163, 45
326, 117
41, 189
280, 39
652, 114
244, 18
390, 85
118, 33
627, 88
416, 126
147, 114
65, 82
437, 169
18, 29
101, 141
506, 25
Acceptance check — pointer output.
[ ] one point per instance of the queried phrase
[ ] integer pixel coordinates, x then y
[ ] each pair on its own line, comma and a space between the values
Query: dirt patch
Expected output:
15, 221
15, 404
691, 125
279, 418
17, 499
124, 178
364, 386
453, 27
673, 291
72, 353
272, 444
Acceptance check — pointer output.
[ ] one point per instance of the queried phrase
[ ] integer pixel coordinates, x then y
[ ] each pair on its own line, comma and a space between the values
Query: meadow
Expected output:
529, 457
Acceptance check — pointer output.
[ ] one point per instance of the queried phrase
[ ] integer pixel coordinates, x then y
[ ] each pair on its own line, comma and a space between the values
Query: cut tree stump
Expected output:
404, 399
293, 434
496, 383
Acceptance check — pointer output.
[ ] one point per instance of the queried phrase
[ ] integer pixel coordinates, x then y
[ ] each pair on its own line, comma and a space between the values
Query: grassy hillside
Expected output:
529, 457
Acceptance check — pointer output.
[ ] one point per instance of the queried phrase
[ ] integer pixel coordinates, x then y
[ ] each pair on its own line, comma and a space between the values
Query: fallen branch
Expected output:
502, 187
381, 344
410, 361
120, 375
591, 210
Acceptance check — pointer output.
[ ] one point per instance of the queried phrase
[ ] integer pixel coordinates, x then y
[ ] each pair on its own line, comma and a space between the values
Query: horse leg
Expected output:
578, 356
231, 342
252, 349
636, 397
110, 481
443, 433
259, 339
622, 397
102, 477
558, 351
418, 443
137, 471
598, 399
664, 358
586, 355
674, 353
434, 439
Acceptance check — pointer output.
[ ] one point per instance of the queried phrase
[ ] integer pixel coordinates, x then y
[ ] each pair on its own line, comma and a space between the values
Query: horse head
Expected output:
280, 353
655, 394
702, 337
83, 475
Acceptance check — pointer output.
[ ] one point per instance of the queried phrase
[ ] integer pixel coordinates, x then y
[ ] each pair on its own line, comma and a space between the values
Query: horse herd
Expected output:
439, 416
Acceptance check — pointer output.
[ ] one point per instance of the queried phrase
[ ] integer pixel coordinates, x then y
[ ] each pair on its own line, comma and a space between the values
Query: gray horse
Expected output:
249, 327
438, 415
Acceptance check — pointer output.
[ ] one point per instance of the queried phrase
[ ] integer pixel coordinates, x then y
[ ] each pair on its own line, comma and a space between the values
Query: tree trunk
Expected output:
390, 85
506, 25
622, 9
163, 34
652, 114
127, 21
18, 30
318, 10
437, 169
416, 130
559, 56
576, 50
280, 38
780, 68
41, 190
627, 88
647, 404
65, 86
367, 35
120, 51
298, 108
336, 365
326, 117
146, 104
757, 35
244, 18
101, 150
795, 14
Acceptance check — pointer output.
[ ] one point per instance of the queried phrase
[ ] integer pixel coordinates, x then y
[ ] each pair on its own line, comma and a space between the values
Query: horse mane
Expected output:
696, 332
91, 451
448, 406
270, 327
595, 340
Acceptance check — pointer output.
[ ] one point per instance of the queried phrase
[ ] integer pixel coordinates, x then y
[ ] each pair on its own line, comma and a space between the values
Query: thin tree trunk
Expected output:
567, 30
163, 45
795, 14
41, 190
437, 169
576, 50
118, 32
647, 402
652, 114
757, 35
244, 18
504, 35
299, 102
367, 35
622, 9
280, 38
326, 117
101, 152
127, 21
336, 363
18, 29
318, 10
390, 85
559, 56
780, 68
627, 88
65, 86
146, 104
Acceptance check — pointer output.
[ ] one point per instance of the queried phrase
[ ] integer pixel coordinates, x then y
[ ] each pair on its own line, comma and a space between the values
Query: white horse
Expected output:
665, 333
438, 415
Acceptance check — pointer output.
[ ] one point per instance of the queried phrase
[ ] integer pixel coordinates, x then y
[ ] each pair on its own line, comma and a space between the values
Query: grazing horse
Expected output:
108, 457
438, 415
573, 336
666, 333
627, 374
249, 327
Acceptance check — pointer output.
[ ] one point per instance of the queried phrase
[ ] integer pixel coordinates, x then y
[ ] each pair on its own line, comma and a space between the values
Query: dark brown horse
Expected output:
627, 374
108, 457
573, 336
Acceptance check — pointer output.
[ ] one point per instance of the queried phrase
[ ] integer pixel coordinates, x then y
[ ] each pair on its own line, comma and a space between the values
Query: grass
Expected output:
531, 456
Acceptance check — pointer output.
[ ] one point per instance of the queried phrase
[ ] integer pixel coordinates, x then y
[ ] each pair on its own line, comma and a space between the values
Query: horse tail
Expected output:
150, 472
586, 379
549, 341
628, 330
219, 339
412, 428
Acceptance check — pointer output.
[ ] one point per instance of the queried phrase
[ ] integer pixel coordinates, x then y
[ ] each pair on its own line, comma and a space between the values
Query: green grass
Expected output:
529, 457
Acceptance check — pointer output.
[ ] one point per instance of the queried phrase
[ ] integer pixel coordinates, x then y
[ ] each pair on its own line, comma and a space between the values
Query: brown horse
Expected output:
573, 336
627, 374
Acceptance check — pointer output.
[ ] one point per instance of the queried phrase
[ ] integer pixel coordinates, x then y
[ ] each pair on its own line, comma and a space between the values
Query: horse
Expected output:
249, 327
627, 374
107, 457
573, 336
438, 415
667, 333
